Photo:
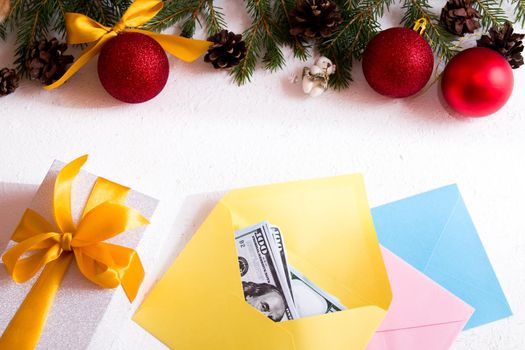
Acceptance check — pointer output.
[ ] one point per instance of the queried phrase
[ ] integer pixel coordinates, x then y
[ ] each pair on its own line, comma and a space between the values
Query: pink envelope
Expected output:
423, 315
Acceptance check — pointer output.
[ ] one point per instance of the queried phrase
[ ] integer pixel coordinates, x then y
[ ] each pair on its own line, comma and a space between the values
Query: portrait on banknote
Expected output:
270, 284
266, 298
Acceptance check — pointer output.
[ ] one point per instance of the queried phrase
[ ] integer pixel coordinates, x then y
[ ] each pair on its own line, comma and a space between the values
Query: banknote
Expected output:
310, 300
263, 278
276, 231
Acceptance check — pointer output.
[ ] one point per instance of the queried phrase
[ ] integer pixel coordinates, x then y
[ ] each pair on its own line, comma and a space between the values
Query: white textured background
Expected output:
203, 134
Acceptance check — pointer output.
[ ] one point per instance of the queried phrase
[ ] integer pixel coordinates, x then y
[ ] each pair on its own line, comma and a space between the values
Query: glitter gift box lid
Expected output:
80, 305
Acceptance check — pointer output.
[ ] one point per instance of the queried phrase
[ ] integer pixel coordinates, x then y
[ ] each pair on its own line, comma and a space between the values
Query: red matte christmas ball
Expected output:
398, 62
477, 82
133, 67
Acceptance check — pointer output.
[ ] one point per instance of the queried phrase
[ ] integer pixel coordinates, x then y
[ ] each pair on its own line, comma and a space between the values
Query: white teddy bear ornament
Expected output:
315, 78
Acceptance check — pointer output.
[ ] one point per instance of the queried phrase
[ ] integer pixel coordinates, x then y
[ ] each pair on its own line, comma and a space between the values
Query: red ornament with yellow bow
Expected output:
132, 66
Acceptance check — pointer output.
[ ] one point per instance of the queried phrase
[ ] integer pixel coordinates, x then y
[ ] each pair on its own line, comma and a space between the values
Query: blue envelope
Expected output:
434, 233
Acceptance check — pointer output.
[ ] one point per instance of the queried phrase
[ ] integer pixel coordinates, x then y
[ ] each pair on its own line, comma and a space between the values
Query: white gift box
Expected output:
79, 309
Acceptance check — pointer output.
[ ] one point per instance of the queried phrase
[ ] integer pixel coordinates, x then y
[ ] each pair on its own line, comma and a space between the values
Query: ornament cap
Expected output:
420, 25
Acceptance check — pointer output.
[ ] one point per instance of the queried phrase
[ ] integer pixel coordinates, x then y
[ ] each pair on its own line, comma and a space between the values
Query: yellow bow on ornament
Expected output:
82, 29
40, 244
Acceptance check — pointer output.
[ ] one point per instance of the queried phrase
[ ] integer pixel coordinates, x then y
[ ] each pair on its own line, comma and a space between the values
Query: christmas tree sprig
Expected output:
360, 24
38, 18
187, 14
519, 11
266, 35
34, 20
262, 41
492, 14
300, 47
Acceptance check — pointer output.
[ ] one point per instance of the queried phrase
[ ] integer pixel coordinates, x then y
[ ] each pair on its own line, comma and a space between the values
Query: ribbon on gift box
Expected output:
82, 29
41, 245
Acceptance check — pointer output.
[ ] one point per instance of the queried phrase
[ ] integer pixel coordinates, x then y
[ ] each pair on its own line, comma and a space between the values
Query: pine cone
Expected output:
8, 81
459, 17
46, 61
314, 18
228, 50
506, 42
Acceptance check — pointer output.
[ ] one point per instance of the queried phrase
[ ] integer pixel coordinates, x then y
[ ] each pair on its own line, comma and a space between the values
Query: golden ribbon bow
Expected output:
82, 29
40, 244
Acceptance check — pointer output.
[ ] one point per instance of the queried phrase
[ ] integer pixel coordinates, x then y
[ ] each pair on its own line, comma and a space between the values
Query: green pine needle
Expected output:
360, 24
492, 14
253, 38
263, 40
36, 20
189, 13
519, 11
299, 46
213, 17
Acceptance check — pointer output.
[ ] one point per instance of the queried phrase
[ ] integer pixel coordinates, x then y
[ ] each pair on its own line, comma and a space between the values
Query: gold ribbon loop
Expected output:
140, 12
82, 29
23, 269
40, 245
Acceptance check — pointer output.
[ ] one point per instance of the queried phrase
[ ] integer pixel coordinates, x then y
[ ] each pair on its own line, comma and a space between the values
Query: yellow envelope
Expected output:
329, 235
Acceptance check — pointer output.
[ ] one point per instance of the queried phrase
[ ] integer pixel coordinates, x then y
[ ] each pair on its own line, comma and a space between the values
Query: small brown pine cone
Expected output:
506, 42
314, 18
227, 50
459, 17
46, 61
8, 81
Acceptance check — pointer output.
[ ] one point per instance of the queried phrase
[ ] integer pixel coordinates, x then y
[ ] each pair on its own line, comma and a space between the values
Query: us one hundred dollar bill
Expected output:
264, 281
271, 284
310, 300
279, 241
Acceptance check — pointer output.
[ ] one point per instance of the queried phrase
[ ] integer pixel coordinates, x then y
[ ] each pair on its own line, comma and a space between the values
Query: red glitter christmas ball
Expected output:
477, 82
398, 62
133, 67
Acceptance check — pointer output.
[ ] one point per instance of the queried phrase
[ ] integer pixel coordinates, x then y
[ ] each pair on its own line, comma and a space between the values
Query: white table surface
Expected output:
204, 134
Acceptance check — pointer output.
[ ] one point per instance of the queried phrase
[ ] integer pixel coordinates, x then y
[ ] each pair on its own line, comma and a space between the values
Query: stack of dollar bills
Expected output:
270, 284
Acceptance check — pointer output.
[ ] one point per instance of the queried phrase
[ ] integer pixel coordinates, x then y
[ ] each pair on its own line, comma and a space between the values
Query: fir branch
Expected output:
519, 11
59, 23
281, 11
189, 13
120, 6
190, 23
492, 14
261, 40
213, 17
107, 12
3, 31
253, 38
173, 12
441, 41
33, 25
273, 59
34, 20
360, 24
